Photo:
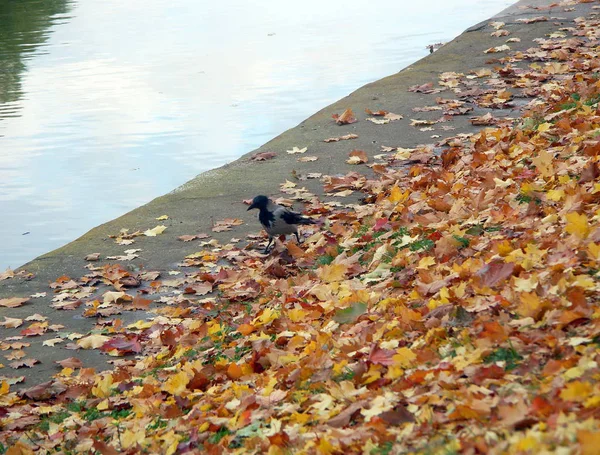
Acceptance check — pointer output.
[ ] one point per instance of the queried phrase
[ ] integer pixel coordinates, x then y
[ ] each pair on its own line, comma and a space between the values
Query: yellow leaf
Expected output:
404, 357
378, 405
555, 195
589, 441
155, 231
176, 384
102, 387
170, 442
92, 341
268, 315
594, 250
530, 306
525, 284
527, 443
397, 195
577, 391
162, 217
578, 225
426, 262
4, 388
297, 314
542, 128
103, 405
333, 272
132, 438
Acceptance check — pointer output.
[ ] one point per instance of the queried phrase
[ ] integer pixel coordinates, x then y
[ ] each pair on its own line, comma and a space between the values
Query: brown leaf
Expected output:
376, 113
104, 448
347, 117
397, 416
28, 363
187, 238
70, 362
484, 120
357, 157
495, 273
92, 257
13, 302
343, 418
44, 391
264, 156
342, 138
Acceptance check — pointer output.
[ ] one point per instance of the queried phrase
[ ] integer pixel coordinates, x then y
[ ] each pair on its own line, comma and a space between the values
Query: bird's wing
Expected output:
293, 217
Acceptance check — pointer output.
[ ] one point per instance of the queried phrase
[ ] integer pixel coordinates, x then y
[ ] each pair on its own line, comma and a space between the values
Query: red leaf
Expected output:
264, 156
122, 345
382, 356
495, 273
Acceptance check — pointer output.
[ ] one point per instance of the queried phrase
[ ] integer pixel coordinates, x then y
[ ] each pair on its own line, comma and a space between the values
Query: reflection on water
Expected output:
106, 104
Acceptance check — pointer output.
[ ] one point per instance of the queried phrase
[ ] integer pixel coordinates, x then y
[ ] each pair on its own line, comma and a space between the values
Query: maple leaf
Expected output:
11, 323
357, 157
350, 314
71, 362
345, 118
157, 230
103, 386
295, 150
52, 342
13, 302
424, 88
92, 341
333, 272
92, 257
495, 273
342, 138
8, 273
577, 224
307, 159
44, 391
543, 163
122, 345
24, 363
495, 49
485, 120
176, 384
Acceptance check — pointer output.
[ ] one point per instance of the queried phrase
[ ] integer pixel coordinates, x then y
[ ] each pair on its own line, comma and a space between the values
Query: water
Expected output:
106, 104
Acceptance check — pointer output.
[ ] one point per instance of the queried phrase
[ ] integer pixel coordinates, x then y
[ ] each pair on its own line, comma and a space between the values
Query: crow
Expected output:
276, 219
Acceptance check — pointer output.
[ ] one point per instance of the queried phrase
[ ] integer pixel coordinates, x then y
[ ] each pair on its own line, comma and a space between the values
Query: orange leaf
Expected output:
246, 329
234, 371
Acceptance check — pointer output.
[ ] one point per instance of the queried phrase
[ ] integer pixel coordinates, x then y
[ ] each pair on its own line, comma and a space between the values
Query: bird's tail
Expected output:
305, 220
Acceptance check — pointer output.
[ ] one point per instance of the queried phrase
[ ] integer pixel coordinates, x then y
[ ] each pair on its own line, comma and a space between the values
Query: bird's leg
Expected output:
268, 245
297, 237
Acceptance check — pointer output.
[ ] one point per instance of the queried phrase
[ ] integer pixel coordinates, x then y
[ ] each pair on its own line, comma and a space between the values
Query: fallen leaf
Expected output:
342, 138
295, 150
306, 159
346, 117
155, 231
11, 323
263, 156
13, 302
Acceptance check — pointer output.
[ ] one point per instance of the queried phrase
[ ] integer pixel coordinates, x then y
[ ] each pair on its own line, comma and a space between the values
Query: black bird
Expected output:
276, 219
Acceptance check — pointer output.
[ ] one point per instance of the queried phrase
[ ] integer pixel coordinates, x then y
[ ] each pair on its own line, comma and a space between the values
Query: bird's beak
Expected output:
252, 206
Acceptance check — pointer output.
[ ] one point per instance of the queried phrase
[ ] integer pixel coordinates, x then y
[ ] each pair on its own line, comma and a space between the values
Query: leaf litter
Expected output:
454, 310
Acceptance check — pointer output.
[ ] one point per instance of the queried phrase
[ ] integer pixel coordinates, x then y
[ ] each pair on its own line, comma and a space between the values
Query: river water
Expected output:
107, 104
